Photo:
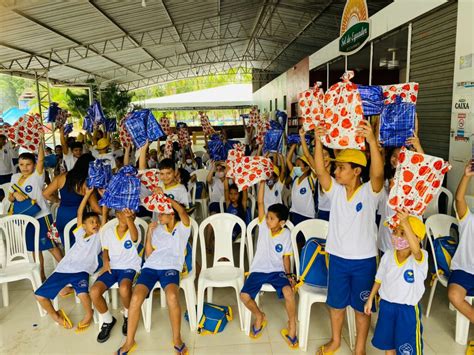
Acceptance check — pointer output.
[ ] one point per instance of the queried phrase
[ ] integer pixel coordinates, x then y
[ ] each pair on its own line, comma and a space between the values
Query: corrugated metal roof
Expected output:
136, 46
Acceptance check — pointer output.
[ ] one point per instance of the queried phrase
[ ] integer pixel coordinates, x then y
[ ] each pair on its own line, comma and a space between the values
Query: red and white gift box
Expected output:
150, 178
247, 171
408, 93
206, 125
253, 117
165, 125
168, 152
184, 137
263, 124
124, 136
26, 132
343, 114
311, 103
158, 203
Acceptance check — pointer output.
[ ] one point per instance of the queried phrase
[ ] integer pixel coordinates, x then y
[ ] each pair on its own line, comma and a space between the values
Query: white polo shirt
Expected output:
69, 160
177, 192
82, 257
402, 283
6, 163
122, 250
302, 199
273, 195
324, 203
271, 249
106, 156
464, 257
352, 228
216, 190
33, 187
169, 248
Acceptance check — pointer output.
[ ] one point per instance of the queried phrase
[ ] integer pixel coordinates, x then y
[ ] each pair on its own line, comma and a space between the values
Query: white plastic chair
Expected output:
221, 273
438, 225
186, 283
470, 202
313, 228
201, 176
18, 265
5, 204
251, 228
462, 325
433, 206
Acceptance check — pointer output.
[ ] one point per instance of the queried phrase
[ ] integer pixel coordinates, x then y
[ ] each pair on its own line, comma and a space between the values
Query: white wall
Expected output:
459, 151
274, 89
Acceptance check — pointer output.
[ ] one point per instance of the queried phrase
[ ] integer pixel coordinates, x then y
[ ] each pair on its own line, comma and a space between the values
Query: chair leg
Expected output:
209, 294
451, 307
304, 318
190, 296
240, 307
146, 312
114, 298
200, 302
462, 326
162, 298
5, 294
430, 301
351, 326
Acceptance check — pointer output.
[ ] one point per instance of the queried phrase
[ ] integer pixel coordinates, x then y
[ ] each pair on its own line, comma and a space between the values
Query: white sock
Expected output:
125, 312
106, 317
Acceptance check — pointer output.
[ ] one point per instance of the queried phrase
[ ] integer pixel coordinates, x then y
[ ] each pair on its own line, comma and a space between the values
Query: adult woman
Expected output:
72, 188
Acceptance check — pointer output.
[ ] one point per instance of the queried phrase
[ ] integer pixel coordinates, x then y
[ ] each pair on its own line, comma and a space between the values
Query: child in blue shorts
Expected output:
75, 268
400, 283
121, 263
461, 280
165, 251
271, 265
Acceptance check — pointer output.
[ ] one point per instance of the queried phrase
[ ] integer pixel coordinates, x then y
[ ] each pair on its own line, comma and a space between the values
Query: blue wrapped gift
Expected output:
88, 124
372, 99
294, 138
123, 190
53, 111
68, 128
100, 173
217, 150
153, 128
397, 123
142, 126
273, 141
110, 124
281, 117
95, 114
275, 125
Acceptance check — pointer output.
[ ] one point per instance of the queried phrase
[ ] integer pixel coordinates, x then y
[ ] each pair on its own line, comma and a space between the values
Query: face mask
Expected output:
297, 171
220, 174
188, 161
270, 183
400, 243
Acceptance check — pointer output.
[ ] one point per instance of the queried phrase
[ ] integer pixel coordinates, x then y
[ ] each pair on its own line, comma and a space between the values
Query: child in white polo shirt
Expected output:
165, 250
400, 282
461, 280
271, 265
351, 240
275, 184
75, 268
121, 264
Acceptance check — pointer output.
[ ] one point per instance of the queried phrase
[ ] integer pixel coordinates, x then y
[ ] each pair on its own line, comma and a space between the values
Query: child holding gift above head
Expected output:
351, 240
461, 280
236, 204
215, 180
75, 268
275, 184
165, 251
400, 283
271, 265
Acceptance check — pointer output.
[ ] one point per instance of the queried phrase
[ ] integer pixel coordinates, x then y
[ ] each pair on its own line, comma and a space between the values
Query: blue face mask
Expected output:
297, 171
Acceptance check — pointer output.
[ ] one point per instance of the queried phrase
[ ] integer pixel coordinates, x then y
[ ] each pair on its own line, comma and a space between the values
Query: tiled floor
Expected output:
23, 331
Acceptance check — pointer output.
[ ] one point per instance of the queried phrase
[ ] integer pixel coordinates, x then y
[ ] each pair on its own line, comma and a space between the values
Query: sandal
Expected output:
321, 351
292, 342
132, 349
470, 348
67, 324
81, 327
257, 333
182, 350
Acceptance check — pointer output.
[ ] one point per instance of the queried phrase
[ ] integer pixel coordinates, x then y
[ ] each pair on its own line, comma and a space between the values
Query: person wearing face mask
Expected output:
188, 163
216, 186
400, 283
274, 185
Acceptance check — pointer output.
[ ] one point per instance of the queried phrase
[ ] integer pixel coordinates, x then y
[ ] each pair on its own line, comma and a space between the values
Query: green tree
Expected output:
10, 90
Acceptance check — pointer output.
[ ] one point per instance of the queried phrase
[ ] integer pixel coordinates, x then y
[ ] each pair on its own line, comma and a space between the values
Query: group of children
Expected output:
348, 188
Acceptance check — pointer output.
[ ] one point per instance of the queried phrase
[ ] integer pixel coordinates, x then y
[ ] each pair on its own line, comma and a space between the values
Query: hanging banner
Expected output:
355, 27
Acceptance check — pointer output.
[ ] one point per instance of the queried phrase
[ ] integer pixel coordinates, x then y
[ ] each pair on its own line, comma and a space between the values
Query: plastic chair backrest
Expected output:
470, 202
438, 225
433, 206
223, 225
14, 230
67, 231
311, 228
201, 174
5, 203
195, 240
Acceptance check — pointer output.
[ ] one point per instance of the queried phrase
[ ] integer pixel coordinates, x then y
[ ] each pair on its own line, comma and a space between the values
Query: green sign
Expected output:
354, 38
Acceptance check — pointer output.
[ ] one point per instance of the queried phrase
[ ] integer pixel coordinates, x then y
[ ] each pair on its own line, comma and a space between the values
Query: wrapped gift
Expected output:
26, 132
88, 124
153, 129
110, 124
311, 103
124, 136
61, 118
273, 141
165, 125
68, 127
397, 123
343, 114
53, 111
158, 203
170, 140
4, 127
216, 149
294, 138
206, 124
142, 126
372, 99
408, 92
254, 117
123, 190
418, 179
281, 118
99, 175
183, 135
95, 114
247, 171
275, 125
150, 179
263, 124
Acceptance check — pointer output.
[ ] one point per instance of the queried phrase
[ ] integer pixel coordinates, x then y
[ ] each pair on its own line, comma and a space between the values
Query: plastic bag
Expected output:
311, 103
294, 138
26, 132
408, 92
68, 127
275, 125
165, 125
247, 171
142, 126
158, 203
254, 117
397, 123
124, 136
150, 179
216, 149
123, 190
343, 114
273, 141
99, 175
110, 124
281, 117
372, 99
95, 115
153, 129
263, 125
53, 111
183, 134
206, 124
168, 152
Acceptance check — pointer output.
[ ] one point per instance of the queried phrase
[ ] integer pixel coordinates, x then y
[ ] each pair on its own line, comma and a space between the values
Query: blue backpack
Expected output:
314, 262
214, 319
444, 249
188, 260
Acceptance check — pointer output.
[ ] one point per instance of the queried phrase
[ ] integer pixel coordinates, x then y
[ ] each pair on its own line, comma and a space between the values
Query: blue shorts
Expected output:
116, 276
254, 282
323, 215
399, 328
463, 279
350, 282
44, 242
214, 207
58, 280
149, 277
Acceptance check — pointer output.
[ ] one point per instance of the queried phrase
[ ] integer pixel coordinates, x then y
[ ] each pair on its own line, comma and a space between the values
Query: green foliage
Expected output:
11, 88
115, 102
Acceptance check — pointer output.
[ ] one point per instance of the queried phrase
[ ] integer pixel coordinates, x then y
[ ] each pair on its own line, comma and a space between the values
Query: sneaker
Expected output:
125, 326
105, 330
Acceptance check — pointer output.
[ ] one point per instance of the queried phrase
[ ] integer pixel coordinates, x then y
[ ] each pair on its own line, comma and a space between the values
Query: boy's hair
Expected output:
233, 187
280, 210
75, 145
166, 164
27, 156
87, 215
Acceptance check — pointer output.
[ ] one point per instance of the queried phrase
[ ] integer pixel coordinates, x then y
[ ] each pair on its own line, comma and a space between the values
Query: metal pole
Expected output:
327, 75
91, 95
407, 75
371, 61
345, 63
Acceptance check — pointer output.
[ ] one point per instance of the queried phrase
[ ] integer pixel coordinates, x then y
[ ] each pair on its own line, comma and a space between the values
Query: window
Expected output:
271, 109
276, 104
284, 102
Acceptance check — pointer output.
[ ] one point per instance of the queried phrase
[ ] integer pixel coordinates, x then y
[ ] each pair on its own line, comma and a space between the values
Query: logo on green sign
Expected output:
354, 38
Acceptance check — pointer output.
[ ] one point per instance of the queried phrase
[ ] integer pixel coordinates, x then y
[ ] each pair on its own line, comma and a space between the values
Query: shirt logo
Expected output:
173, 232
359, 206
28, 188
170, 273
364, 295
279, 248
409, 276
129, 271
276, 193
127, 244
303, 190
282, 275
406, 349
171, 196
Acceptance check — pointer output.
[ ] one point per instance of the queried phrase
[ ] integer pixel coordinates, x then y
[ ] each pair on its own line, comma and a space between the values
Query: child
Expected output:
274, 185
461, 280
101, 151
75, 268
216, 186
400, 283
351, 240
165, 250
236, 204
121, 263
271, 265
30, 180
71, 150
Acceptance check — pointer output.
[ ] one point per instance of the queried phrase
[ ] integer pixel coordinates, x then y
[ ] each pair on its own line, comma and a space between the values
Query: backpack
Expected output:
314, 262
188, 259
214, 318
444, 249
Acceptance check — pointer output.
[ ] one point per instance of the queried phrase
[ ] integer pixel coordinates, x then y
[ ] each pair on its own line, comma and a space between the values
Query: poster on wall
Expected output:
462, 112
355, 27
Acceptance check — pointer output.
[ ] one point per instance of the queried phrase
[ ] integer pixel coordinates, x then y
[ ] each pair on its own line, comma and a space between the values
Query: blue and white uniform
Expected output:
302, 200
273, 195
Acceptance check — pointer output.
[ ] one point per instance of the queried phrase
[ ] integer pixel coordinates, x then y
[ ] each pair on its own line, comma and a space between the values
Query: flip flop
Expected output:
81, 327
470, 348
66, 320
292, 342
132, 349
183, 350
257, 333
321, 351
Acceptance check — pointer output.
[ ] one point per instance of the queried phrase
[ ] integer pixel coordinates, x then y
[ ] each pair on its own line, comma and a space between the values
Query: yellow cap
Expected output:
351, 156
418, 227
304, 159
102, 143
276, 170
80, 138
